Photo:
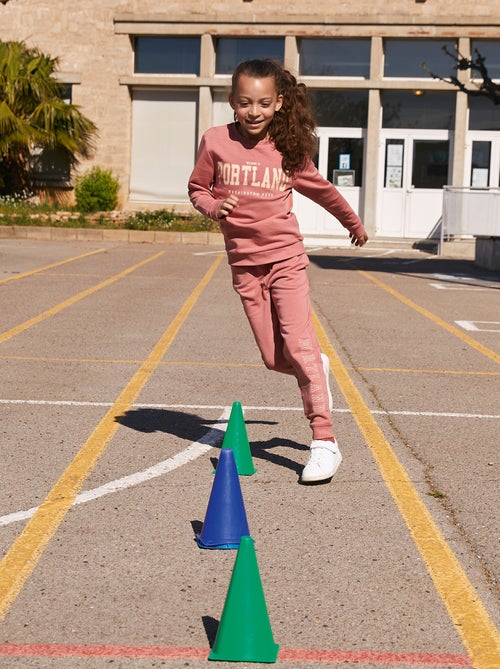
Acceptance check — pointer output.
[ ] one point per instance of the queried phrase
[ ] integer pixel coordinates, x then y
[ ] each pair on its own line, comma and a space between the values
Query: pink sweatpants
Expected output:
276, 301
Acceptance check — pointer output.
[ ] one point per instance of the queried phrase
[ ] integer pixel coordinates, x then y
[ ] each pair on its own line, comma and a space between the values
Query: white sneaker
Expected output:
323, 462
326, 370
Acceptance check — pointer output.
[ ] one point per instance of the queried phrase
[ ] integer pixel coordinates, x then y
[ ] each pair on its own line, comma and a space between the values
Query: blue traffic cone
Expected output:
225, 519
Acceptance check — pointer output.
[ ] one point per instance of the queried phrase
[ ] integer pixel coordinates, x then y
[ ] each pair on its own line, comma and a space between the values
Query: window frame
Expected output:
166, 38
451, 43
336, 40
236, 38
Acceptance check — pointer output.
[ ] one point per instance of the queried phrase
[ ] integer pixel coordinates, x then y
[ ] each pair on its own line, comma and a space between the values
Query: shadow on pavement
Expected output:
455, 268
194, 428
211, 626
181, 424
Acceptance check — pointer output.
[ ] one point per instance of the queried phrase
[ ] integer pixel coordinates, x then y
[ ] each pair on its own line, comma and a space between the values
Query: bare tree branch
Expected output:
486, 88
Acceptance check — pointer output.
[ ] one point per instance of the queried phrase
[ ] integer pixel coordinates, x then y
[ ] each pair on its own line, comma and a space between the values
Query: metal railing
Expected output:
470, 211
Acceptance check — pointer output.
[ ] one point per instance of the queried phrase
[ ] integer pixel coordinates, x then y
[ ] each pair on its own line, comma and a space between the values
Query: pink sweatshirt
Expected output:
262, 227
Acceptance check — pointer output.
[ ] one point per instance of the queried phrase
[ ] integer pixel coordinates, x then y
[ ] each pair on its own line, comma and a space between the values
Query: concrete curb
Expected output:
48, 233
458, 249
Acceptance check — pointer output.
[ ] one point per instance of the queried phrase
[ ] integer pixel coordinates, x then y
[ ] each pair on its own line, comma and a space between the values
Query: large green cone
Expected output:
236, 438
244, 633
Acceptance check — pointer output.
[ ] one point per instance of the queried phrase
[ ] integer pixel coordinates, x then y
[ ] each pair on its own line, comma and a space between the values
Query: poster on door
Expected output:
394, 165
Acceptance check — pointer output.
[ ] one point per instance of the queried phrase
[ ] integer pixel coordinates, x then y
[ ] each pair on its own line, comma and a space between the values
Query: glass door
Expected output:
340, 160
414, 167
483, 159
430, 170
392, 194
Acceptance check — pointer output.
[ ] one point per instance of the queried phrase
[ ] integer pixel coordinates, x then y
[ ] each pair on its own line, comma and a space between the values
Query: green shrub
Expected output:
96, 190
163, 219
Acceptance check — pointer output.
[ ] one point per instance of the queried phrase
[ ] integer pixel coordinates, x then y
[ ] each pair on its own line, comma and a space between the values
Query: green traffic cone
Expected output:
236, 438
244, 633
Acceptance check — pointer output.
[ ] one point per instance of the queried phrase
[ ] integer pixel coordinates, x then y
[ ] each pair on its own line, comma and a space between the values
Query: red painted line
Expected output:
286, 654
95, 650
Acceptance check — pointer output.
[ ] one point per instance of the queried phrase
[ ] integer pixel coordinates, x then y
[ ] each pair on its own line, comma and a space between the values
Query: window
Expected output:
430, 163
490, 50
164, 126
335, 57
52, 166
340, 109
167, 55
418, 109
405, 58
222, 112
345, 161
483, 114
230, 51
480, 164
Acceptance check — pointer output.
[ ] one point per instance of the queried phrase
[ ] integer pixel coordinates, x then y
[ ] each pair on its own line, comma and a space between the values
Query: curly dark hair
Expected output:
293, 129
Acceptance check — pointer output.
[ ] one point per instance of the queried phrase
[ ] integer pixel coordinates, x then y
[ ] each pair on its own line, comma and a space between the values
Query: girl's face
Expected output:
255, 101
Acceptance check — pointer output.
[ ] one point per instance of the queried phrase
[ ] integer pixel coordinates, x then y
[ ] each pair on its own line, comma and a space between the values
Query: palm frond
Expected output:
32, 111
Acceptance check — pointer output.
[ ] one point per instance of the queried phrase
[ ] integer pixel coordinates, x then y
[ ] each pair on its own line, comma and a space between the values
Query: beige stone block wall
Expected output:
357, 11
81, 35
93, 55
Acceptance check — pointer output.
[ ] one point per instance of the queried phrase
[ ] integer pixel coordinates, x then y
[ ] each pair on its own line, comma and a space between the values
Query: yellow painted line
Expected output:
25, 552
72, 300
99, 361
118, 361
225, 363
478, 632
205, 363
45, 267
397, 370
428, 314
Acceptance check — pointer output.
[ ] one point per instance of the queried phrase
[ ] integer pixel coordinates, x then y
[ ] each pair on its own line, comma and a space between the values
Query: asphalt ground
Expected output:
120, 364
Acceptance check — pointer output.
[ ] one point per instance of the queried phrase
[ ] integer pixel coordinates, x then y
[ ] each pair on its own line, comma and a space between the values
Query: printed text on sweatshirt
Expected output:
262, 228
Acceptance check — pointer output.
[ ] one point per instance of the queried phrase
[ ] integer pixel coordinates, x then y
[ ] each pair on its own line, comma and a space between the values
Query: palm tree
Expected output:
34, 116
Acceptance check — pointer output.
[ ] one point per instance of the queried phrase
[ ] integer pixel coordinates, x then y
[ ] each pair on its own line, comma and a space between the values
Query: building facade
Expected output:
154, 76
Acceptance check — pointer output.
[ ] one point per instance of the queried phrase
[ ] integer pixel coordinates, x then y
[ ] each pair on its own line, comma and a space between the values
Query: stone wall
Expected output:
93, 56
81, 35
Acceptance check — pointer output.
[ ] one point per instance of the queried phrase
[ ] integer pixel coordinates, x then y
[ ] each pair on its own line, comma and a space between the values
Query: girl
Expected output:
243, 176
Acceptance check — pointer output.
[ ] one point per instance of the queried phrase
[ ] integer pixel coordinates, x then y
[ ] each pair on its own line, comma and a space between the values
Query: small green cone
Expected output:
236, 438
244, 633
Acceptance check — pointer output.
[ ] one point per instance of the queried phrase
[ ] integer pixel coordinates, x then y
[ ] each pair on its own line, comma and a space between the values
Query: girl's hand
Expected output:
227, 206
359, 240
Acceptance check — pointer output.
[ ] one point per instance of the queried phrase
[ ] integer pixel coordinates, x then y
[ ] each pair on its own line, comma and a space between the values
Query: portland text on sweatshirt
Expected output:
262, 227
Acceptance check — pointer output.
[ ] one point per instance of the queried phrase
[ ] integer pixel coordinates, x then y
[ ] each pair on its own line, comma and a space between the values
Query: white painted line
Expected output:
472, 326
483, 282
453, 277
249, 407
412, 262
194, 450
326, 242
435, 414
382, 253
67, 403
18, 516
76, 403
189, 454
445, 286
209, 253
